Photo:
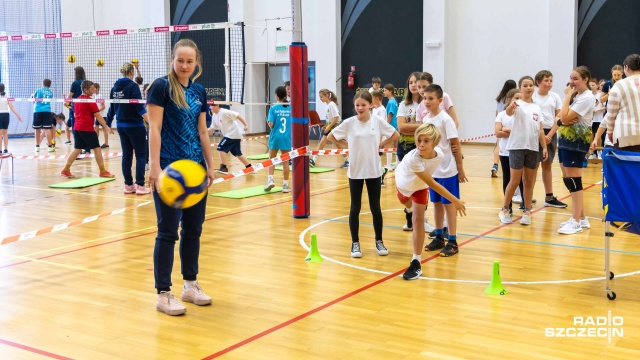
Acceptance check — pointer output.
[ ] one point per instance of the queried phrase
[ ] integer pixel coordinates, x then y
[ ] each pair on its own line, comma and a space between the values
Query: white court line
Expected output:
547, 282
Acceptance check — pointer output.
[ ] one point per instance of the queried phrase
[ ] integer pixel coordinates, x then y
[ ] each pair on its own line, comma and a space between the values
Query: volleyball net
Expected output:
26, 60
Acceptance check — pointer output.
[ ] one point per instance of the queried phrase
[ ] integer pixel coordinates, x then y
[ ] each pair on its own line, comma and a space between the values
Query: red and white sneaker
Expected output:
106, 174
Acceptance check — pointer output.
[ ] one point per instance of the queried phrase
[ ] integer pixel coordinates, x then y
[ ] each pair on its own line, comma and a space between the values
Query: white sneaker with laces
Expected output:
526, 219
516, 199
168, 304
195, 295
505, 216
270, 185
428, 227
584, 223
570, 227
286, 188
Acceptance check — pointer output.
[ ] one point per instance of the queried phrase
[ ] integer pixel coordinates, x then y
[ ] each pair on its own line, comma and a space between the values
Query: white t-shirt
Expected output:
409, 113
332, 111
407, 182
525, 132
598, 115
4, 105
506, 121
583, 104
364, 142
380, 111
104, 111
448, 131
228, 125
548, 104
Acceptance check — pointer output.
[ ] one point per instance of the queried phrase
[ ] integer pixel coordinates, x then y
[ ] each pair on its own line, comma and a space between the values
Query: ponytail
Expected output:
330, 94
1, 89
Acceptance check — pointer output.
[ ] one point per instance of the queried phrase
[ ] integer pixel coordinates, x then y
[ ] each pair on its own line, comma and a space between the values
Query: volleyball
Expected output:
134, 61
183, 184
99, 62
71, 58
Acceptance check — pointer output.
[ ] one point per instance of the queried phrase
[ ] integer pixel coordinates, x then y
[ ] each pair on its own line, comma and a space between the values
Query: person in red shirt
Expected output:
84, 135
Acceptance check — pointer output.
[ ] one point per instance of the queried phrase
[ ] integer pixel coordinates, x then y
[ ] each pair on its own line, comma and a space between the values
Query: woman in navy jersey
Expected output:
177, 130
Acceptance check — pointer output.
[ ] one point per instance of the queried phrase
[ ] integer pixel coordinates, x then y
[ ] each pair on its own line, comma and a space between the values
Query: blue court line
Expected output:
514, 240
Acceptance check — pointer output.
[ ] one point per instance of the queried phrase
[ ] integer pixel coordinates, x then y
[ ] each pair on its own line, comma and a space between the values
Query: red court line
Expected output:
353, 293
33, 350
155, 231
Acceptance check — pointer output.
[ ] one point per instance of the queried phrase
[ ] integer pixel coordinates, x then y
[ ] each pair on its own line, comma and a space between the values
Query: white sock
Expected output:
389, 158
416, 257
285, 182
189, 283
269, 177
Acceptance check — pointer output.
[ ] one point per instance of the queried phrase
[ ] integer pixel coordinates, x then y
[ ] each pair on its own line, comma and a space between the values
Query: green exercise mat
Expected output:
258, 157
81, 183
245, 193
313, 170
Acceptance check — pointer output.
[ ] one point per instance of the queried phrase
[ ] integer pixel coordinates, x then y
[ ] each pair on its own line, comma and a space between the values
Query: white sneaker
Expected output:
570, 227
428, 227
270, 185
525, 219
584, 223
168, 304
505, 216
286, 188
516, 199
195, 295
593, 156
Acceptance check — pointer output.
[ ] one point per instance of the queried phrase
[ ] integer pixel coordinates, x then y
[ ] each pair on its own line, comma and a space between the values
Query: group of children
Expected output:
532, 124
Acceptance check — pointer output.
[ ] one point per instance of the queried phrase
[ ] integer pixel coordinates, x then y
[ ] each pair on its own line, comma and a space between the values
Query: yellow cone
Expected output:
314, 254
495, 286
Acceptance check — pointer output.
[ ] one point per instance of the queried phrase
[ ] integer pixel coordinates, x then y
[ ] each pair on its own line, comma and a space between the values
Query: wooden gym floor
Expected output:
86, 292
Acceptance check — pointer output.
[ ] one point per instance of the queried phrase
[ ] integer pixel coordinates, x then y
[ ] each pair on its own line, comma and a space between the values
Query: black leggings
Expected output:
373, 191
594, 129
506, 177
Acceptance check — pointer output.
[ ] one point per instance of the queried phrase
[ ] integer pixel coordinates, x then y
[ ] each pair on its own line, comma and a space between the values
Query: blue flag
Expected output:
620, 201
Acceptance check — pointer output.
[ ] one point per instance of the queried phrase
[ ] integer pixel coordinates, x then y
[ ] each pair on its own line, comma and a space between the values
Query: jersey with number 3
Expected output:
280, 136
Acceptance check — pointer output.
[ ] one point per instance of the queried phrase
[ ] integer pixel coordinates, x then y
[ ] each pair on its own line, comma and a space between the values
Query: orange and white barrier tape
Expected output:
247, 139
34, 233
32, 157
265, 164
97, 101
478, 138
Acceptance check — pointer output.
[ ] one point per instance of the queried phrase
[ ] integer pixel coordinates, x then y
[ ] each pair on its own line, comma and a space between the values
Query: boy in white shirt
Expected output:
413, 179
375, 84
550, 105
232, 136
449, 174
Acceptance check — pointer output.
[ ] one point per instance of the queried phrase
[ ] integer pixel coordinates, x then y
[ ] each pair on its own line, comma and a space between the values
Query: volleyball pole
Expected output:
299, 75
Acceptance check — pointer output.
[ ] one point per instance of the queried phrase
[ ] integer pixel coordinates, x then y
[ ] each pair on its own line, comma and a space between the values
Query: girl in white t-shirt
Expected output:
503, 126
574, 142
501, 101
407, 121
333, 119
413, 179
527, 148
362, 134
598, 114
5, 106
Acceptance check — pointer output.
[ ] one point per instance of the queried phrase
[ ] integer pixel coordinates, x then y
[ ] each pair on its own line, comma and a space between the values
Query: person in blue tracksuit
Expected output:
133, 134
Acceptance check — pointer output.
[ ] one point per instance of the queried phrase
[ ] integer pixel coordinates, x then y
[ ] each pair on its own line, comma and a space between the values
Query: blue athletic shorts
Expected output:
451, 184
569, 158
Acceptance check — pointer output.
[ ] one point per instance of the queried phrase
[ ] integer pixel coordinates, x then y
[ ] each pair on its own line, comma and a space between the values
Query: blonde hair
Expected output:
330, 94
175, 88
126, 69
511, 93
428, 130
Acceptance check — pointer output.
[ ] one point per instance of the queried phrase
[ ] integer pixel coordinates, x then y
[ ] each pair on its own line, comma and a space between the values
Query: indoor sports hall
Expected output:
288, 264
